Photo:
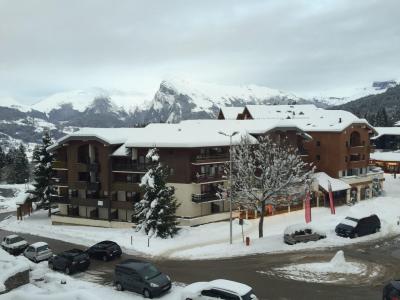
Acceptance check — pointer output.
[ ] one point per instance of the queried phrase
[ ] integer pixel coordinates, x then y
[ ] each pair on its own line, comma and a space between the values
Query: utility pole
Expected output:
230, 180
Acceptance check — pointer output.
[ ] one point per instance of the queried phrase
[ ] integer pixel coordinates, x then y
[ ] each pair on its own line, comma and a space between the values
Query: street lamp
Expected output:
230, 179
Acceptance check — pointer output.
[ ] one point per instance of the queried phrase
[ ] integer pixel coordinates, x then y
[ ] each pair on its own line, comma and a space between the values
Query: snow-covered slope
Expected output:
82, 99
344, 96
179, 99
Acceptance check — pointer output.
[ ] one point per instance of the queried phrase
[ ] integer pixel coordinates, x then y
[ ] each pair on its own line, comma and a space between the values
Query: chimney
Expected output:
340, 120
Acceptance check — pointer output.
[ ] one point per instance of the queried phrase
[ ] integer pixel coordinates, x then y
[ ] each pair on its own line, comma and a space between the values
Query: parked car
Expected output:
301, 233
391, 291
38, 252
218, 289
353, 227
141, 277
105, 250
70, 261
14, 244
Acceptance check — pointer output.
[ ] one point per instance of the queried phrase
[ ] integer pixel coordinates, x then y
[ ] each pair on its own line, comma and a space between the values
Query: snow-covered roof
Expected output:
186, 134
203, 133
22, 198
110, 136
307, 117
121, 151
39, 244
386, 131
239, 288
336, 184
231, 113
386, 156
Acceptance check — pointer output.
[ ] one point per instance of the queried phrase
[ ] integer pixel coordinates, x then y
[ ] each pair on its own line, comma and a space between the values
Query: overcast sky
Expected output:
305, 47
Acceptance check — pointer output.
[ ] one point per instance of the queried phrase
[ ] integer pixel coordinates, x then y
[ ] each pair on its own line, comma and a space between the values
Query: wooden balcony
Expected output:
59, 165
122, 205
203, 178
129, 167
357, 149
59, 181
211, 158
125, 186
207, 197
93, 202
60, 199
358, 164
85, 185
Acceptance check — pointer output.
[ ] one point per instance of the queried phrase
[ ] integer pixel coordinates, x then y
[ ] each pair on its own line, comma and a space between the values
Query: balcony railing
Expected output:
201, 178
91, 201
207, 197
122, 205
59, 181
94, 186
211, 157
57, 164
129, 167
125, 186
60, 199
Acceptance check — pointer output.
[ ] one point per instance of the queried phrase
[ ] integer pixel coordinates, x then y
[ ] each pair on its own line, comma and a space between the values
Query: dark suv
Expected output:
352, 227
70, 261
141, 277
105, 250
391, 291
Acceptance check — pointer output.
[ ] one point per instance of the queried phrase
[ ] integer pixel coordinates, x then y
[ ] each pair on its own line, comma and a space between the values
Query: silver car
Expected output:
38, 252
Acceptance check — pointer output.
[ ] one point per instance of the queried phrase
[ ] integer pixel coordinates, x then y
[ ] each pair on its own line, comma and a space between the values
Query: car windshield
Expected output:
42, 248
250, 296
149, 272
16, 240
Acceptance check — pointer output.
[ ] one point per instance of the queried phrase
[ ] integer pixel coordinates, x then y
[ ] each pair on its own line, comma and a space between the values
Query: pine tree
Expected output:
155, 213
17, 165
2, 161
43, 173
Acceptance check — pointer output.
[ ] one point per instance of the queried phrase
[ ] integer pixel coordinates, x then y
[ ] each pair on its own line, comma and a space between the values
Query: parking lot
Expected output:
247, 270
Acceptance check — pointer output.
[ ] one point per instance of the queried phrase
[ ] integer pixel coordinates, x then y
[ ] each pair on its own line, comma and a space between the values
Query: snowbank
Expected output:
335, 271
10, 266
47, 285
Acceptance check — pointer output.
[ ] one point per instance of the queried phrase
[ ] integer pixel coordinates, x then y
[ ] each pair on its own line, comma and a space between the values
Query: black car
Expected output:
392, 291
141, 277
352, 227
70, 261
105, 250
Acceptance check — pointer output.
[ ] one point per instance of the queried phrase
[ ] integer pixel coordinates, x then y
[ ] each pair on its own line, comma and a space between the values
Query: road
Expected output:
244, 269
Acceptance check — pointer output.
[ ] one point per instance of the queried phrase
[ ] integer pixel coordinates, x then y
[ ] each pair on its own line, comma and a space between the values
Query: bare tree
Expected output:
267, 173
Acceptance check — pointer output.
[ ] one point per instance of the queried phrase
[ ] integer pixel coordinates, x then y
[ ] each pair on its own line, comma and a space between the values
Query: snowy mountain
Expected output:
181, 99
377, 87
174, 100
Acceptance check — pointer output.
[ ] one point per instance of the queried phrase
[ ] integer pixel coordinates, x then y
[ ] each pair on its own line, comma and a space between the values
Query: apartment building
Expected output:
99, 169
340, 146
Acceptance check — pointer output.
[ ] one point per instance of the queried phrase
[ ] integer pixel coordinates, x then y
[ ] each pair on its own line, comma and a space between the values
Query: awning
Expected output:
337, 184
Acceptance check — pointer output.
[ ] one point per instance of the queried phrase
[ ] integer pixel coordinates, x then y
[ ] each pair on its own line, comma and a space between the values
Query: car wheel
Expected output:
51, 266
355, 235
105, 258
119, 287
147, 294
377, 229
67, 271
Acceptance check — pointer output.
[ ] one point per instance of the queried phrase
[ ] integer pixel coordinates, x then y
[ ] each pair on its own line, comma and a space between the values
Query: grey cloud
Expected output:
299, 46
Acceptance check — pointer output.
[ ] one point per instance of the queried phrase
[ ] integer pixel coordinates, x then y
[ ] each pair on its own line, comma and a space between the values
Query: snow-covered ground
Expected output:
14, 194
337, 270
10, 266
46, 284
211, 240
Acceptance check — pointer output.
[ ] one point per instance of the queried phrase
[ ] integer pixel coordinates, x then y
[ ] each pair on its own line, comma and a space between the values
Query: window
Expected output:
355, 139
345, 158
318, 157
318, 143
